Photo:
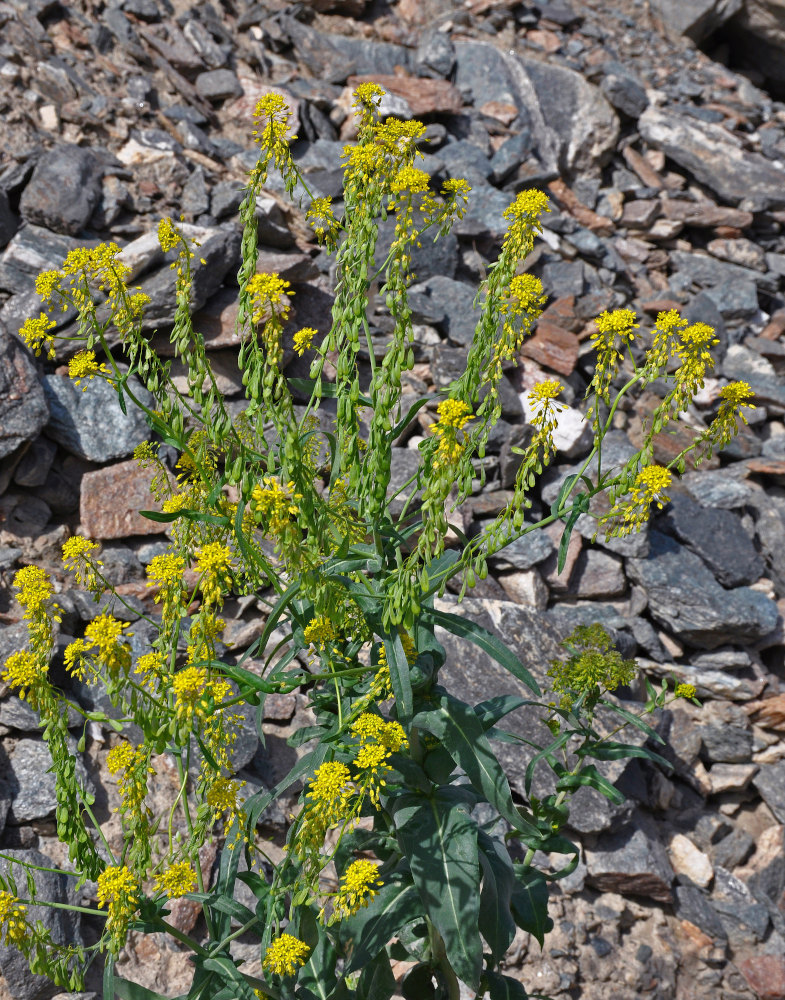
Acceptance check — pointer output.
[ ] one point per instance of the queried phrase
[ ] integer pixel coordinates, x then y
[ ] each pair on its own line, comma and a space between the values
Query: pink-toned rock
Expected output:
765, 974
553, 347
279, 707
423, 96
111, 499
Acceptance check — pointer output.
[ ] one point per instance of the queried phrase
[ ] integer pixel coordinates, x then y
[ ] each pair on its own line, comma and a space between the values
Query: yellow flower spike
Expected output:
285, 955
108, 634
319, 632
13, 921
35, 333
359, 884
23, 671
178, 880
269, 293
322, 220
83, 366
118, 891
46, 284
410, 179
651, 484
302, 339
168, 236
684, 691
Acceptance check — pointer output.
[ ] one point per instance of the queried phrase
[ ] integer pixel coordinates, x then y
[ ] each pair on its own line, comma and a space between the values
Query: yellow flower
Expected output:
35, 589
213, 564
106, 632
528, 206
359, 884
544, 399
368, 94
223, 797
319, 632
168, 236
13, 921
452, 413
79, 559
684, 691
269, 292
619, 323
285, 955
35, 333
118, 891
322, 220
177, 880
303, 338
22, 671
84, 366
456, 187
165, 570
410, 179
371, 762
275, 503
651, 484
46, 284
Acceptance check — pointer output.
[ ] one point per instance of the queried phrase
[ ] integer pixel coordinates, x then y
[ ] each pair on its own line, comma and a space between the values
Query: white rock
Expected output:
525, 587
688, 860
573, 434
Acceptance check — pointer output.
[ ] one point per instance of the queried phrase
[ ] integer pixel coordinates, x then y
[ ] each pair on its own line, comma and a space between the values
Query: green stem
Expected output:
440, 954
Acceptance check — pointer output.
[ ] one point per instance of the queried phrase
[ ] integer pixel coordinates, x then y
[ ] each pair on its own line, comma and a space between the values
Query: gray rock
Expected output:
36, 462
624, 92
218, 85
91, 424
64, 190
732, 850
770, 782
721, 659
435, 55
473, 676
685, 599
195, 198
769, 514
448, 305
735, 301
717, 536
715, 158
65, 926
485, 214
697, 19
596, 575
9, 221
17, 714
226, 198
524, 553
716, 489
32, 250
510, 155
220, 252
743, 363
33, 784
727, 739
334, 57
693, 905
120, 564
630, 860
712, 273
463, 159
741, 915
23, 409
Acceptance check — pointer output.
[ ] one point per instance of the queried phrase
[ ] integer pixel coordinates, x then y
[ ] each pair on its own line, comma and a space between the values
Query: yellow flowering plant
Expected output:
385, 857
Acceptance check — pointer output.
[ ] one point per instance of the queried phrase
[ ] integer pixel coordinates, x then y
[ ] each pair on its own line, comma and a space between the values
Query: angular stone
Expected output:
705, 214
717, 536
32, 250
64, 190
624, 92
732, 850
710, 153
90, 423
218, 85
525, 587
769, 713
727, 735
111, 500
640, 214
630, 860
685, 598
33, 784
447, 304
553, 347
764, 873
745, 920
597, 575
9, 221
64, 926
689, 860
765, 974
770, 782
716, 489
693, 905
696, 20
524, 553
23, 409
424, 97
731, 777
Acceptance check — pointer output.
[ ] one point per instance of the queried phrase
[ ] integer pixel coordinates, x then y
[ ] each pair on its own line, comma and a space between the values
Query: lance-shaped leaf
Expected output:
460, 731
498, 880
369, 930
530, 903
439, 839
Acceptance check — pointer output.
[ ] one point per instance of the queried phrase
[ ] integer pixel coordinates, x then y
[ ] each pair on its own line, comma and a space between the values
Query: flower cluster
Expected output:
275, 504
378, 741
79, 558
223, 798
302, 339
323, 222
285, 955
83, 367
632, 511
320, 631
269, 295
178, 880
35, 333
133, 766
23, 671
359, 884
105, 642
35, 596
118, 891
165, 573
593, 666
454, 414
213, 564
13, 922
196, 693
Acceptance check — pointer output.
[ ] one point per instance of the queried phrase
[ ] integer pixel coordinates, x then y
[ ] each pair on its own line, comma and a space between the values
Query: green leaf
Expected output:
633, 720
259, 801
439, 839
109, 978
496, 923
126, 990
417, 984
530, 903
589, 775
504, 987
370, 929
329, 390
564, 489
611, 750
399, 678
490, 711
545, 754
226, 969
412, 412
377, 981
457, 727
580, 506
486, 640
189, 515
318, 973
